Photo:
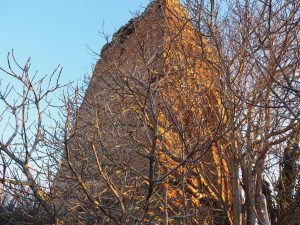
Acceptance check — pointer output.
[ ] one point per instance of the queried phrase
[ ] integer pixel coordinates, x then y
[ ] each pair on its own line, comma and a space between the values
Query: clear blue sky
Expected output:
56, 32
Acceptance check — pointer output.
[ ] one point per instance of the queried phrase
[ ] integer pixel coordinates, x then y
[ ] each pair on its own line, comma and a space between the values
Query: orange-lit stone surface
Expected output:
151, 115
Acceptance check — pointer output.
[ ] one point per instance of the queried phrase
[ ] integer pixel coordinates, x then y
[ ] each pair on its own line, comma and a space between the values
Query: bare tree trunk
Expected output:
265, 210
249, 195
236, 197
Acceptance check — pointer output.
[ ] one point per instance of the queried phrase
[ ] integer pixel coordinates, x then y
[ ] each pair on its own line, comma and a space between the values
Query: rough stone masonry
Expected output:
144, 148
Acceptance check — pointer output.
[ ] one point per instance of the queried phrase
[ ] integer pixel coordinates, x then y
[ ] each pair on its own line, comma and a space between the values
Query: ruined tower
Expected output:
145, 147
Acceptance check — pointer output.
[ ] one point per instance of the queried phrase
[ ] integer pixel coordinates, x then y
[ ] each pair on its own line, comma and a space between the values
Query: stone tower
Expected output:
145, 147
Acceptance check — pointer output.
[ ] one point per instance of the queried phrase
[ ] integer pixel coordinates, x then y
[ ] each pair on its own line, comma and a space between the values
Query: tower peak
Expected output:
170, 2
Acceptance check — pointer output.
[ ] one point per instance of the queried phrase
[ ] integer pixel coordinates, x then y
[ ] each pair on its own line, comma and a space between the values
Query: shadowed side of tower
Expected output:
144, 147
